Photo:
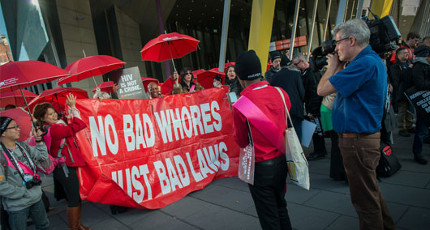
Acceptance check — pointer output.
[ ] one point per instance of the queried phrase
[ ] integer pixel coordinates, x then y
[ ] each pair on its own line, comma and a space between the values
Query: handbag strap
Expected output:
286, 109
261, 122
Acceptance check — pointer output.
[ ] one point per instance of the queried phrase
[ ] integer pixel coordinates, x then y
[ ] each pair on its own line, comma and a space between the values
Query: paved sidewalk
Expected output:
227, 204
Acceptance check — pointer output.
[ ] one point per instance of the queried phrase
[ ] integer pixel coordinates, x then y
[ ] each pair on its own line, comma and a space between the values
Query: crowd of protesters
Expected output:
345, 101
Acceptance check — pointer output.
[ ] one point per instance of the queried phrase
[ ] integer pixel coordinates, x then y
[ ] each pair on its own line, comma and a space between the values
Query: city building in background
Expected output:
62, 31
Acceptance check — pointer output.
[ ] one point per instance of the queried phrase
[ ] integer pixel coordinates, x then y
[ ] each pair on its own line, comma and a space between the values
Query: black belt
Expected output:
270, 162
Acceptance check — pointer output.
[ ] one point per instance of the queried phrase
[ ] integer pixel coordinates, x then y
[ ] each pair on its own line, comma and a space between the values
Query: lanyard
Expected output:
15, 162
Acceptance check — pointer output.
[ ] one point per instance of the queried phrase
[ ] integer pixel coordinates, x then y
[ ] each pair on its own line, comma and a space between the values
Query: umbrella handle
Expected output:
28, 109
171, 57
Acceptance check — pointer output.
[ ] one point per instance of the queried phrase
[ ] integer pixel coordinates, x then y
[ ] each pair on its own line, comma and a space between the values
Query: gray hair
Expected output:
298, 56
356, 28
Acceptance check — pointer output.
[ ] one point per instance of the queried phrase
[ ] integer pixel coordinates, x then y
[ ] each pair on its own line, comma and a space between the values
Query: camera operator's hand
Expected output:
37, 134
334, 63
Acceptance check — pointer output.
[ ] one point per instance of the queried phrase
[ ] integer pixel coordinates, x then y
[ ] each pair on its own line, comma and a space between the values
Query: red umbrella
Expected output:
206, 77
90, 66
146, 81
20, 74
104, 87
57, 95
228, 64
168, 46
22, 119
15, 98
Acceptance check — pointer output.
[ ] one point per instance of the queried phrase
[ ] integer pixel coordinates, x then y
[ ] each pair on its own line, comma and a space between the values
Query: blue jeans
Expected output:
37, 212
421, 130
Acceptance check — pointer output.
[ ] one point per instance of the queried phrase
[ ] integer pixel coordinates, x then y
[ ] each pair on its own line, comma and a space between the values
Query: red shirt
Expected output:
269, 101
60, 131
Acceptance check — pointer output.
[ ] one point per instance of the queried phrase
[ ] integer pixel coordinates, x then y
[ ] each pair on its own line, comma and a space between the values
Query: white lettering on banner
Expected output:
216, 116
196, 175
185, 116
133, 181
172, 172
195, 114
177, 124
206, 118
100, 134
204, 168
173, 176
202, 119
143, 134
183, 173
164, 180
164, 125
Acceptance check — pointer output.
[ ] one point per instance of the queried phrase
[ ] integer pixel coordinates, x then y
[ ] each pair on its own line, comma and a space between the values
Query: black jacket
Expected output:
400, 78
269, 75
290, 81
234, 86
421, 75
312, 101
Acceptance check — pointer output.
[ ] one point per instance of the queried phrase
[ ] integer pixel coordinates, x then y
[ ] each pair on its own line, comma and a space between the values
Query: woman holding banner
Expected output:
187, 84
61, 142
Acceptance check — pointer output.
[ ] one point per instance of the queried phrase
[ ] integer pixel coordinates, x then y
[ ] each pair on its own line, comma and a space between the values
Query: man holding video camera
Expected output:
359, 77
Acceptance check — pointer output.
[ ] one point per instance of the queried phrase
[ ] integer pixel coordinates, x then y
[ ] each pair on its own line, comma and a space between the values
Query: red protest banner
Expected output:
150, 153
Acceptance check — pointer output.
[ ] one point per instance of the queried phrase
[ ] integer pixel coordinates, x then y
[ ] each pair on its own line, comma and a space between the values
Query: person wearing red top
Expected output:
61, 140
410, 44
268, 190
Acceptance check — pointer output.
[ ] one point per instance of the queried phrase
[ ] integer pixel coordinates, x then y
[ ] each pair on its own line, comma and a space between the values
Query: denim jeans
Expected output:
37, 212
421, 130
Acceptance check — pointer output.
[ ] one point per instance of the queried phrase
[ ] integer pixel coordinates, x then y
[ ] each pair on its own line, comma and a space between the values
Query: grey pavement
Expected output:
227, 203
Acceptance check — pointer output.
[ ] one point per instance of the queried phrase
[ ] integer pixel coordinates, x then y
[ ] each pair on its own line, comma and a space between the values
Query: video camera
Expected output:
384, 36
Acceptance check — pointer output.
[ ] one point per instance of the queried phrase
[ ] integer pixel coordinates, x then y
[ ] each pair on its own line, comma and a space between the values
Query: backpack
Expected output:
388, 163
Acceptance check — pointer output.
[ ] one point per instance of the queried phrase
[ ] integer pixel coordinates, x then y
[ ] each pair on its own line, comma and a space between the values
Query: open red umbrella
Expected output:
106, 87
15, 98
89, 67
19, 74
146, 81
168, 46
23, 119
57, 95
206, 77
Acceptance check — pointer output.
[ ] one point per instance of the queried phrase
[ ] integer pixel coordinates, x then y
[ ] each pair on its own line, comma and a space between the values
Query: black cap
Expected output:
422, 51
274, 55
248, 66
4, 122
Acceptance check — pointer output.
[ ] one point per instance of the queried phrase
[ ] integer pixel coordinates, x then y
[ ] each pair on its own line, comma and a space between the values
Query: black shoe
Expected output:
420, 160
404, 133
316, 156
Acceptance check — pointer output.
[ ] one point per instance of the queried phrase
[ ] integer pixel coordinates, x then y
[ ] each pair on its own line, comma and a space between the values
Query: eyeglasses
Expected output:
14, 127
343, 39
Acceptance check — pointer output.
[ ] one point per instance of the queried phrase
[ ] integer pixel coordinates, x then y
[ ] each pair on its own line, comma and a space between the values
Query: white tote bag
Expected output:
298, 167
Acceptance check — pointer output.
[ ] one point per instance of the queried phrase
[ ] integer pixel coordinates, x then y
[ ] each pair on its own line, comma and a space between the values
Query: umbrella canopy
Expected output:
20, 74
15, 98
57, 95
106, 87
206, 77
228, 64
168, 46
146, 81
22, 119
90, 66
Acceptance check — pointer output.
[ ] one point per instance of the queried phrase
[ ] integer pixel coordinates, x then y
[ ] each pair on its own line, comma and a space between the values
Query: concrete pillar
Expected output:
261, 29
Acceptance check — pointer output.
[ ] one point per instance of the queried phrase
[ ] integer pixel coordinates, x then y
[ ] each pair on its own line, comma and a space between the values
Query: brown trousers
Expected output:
361, 157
